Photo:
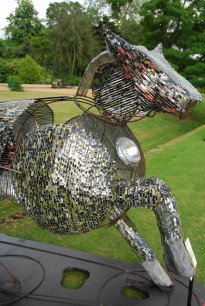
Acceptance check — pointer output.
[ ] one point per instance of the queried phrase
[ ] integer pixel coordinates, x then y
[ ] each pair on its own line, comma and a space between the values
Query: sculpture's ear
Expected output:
159, 49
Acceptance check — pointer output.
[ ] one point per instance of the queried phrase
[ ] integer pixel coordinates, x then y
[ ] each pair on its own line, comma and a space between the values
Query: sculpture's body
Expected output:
71, 177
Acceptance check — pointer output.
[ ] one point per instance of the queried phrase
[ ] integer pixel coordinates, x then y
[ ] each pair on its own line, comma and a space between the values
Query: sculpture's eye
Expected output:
127, 151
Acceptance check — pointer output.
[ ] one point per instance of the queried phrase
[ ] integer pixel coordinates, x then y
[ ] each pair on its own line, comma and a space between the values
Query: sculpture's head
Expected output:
158, 86
134, 82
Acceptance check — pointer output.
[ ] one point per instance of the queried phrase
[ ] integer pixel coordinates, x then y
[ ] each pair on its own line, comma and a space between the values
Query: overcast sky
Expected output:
8, 6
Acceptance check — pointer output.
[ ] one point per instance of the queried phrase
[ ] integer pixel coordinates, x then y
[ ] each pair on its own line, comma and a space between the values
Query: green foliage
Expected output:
14, 66
2, 47
196, 74
14, 83
73, 34
74, 44
10, 50
41, 48
180, 26
4, 70
73, 80
26, 69
8, 67
162, 19
45, 76
30, 72
120, 8
177, 58
23, 23
95, 11
131, 31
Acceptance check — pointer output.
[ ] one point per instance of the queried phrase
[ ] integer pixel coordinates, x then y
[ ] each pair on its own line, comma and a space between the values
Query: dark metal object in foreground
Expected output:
41, 268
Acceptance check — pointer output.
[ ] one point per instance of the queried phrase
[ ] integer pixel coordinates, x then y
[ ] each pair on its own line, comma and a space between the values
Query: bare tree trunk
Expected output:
74, 50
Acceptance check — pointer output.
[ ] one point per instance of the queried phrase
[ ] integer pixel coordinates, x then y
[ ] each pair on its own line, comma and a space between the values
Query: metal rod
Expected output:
9, 169
191, 281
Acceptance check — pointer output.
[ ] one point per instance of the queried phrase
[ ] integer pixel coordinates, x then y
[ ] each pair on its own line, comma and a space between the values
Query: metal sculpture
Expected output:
71, 177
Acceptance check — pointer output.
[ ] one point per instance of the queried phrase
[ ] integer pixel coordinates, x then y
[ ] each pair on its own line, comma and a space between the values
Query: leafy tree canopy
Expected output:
72, 38
23, 23
73, 33
180, 26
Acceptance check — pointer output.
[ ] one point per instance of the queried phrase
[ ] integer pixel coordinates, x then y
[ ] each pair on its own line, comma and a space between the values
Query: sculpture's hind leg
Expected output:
153, 193
149, 260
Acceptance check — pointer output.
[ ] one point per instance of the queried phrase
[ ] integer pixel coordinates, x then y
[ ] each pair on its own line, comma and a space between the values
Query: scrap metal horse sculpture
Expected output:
71, 177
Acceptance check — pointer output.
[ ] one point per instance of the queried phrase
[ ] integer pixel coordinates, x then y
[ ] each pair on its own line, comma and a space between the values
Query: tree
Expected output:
74, 44
99, 14
41, 47
180, 27
4, 70
2, 45
125, 9
164, 19
121, 16
23, 24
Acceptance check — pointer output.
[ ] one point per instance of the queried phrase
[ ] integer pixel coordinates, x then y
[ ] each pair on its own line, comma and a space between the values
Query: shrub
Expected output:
73, 80
45, 77
14, 83
13, 66
29, 71
4, 70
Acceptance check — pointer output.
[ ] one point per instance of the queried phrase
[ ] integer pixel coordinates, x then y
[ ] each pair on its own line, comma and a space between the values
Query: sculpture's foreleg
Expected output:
149, 260
153, 193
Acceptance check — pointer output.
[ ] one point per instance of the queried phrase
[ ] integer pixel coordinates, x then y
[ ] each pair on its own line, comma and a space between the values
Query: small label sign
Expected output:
190, 252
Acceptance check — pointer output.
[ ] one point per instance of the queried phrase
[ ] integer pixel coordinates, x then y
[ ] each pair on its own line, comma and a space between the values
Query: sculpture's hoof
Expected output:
157, 273
177, 259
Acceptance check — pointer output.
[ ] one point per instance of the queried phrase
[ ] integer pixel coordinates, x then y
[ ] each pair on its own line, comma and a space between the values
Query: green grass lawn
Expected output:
180, 165
155, 131
7, 95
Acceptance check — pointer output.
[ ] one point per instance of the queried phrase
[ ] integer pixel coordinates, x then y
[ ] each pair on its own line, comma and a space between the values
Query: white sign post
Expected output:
194, 263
